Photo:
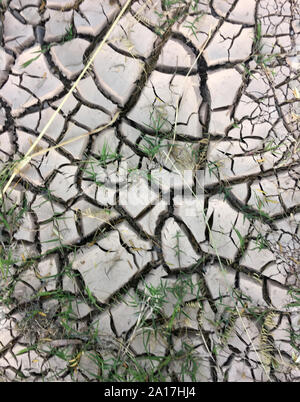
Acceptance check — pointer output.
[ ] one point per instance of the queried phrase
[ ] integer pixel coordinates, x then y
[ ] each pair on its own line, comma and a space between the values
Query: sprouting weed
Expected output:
43, 50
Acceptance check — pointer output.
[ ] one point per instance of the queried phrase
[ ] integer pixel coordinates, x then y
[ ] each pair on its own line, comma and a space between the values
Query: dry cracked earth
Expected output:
163, 242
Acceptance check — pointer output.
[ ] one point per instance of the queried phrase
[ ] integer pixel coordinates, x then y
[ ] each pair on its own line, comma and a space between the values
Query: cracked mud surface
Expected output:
107, 272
